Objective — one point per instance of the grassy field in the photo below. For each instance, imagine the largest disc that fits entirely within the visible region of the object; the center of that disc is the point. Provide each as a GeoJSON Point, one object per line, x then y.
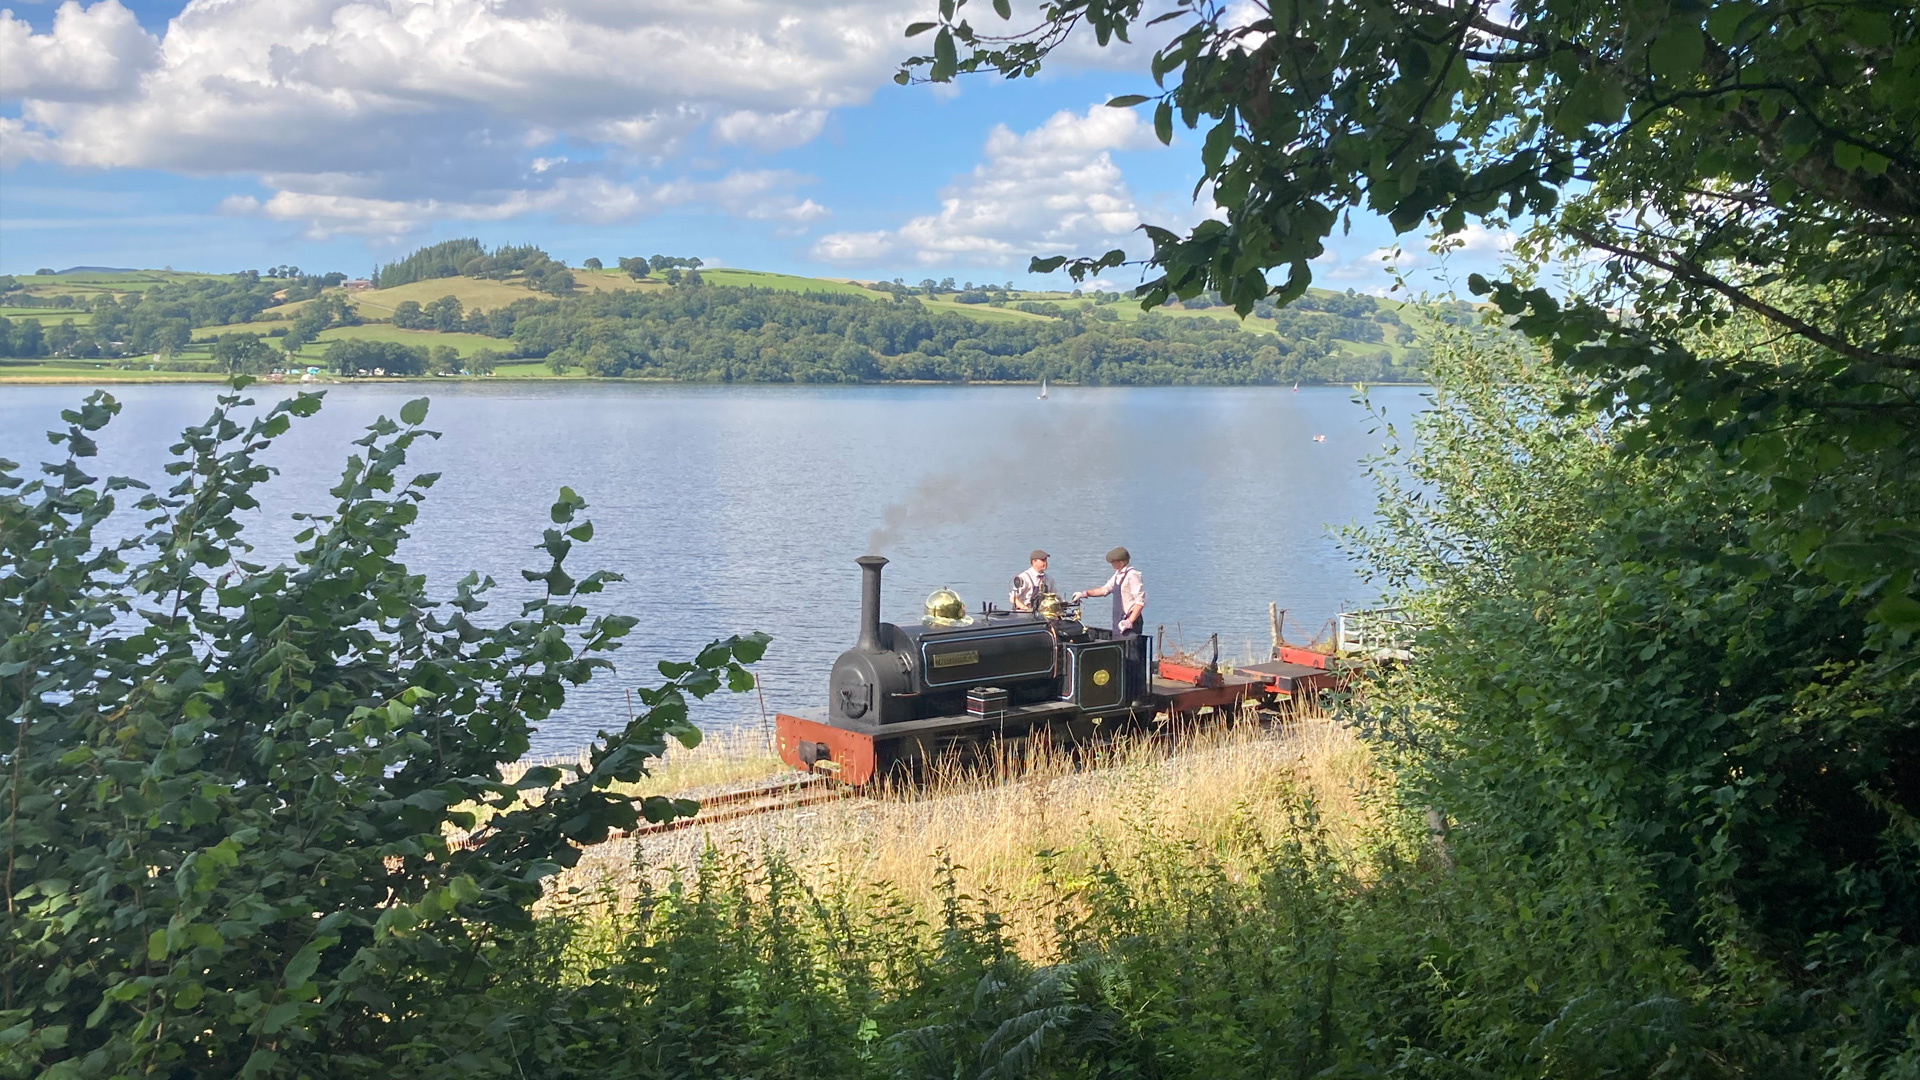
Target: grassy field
{"type": "Point", "coordinates": [464, 344]}
{"type": "Point", "coordinates": [91, 371]}
{"type": "Point", "coordinates": [284, 311]}
{"type": "Point", "coordinates": [262, 327]}
{"type": "Point", "coordinates": [527, 369]}
{"type": "Point", "coordinates": [981, 312]}
{"type": "Point", "coordinates": [612, 281]}
{"type": "Point", "coordinates": [760, 279]}
{"type": "Point", "coordinates": [471, 292]}
{"type": "Point", "coordinates": [94, 284]}
{"type": "Point", "coordinates": [47, 316]}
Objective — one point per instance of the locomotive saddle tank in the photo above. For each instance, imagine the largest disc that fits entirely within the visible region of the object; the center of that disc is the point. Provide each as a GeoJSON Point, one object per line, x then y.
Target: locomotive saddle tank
{"type": "Point", "coordinates": [895, 674]}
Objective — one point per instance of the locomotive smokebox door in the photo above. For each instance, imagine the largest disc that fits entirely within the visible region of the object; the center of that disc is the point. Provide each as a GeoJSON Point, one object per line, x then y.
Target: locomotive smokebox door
{"type": "Point", "coordinates": [1099, 675]}
{"type": "Point", "coordinates": [852, 694]}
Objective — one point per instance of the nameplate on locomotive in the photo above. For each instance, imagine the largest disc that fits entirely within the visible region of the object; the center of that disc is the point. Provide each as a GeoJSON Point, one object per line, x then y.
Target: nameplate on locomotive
{"type": "Point", "coordinates": [957, 658]}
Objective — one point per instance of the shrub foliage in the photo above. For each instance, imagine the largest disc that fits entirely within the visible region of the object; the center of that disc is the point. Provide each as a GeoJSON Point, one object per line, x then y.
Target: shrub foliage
{"type": "Point", "coordinates": [230, 787]}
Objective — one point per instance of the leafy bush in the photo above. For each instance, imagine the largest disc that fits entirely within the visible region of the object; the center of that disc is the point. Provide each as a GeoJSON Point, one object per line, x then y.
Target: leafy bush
{"type": "Point", "coordinates": [242, 354]}
{"type": "Point", "coordinates": [237, 794]}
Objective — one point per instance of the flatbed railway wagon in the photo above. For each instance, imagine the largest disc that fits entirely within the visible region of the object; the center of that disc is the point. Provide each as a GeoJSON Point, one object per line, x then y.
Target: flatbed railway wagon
{"type": "Point", "coordinates": [907, 696]}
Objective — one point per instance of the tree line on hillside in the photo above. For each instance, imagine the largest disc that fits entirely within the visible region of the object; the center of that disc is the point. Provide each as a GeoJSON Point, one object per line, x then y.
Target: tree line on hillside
{"type": "Point", "coordinates": [638, 268]}
{"type": "Point", "coordinates": [725, 334]}
{"type": "Point", "coordinates": [163, 317]}
{"type": "Point", "coordinates": [466, 257]}
{"type": "Point", "coordinates": [717, 333]}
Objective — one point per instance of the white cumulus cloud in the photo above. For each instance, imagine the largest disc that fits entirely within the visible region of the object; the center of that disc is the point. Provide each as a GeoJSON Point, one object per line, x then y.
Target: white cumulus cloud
{"type": "Point", "coordinates": [770, 131]}
{"type": "Point", "coordinates": [758, 195]}
{"type": "Point", "coordinates": [91, 54]}
{"type": "Point", "coordinates": [368, 113]}
{"type": "Point", "coordinates": [1054, 189]}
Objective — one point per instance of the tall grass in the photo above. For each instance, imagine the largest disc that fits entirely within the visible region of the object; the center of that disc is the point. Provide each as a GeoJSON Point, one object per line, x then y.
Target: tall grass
{"type": "Point", "coordinates": [1239, 903]}
{"type": "Point", "coordinates": [1232, 903]}
{"type": "Point", "coordinates": [1028, 828]}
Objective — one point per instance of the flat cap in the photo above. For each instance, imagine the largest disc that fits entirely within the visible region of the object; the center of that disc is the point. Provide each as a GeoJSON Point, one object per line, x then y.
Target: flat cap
{"type": "Point", "coordinates": [1119, 554]}
{"type": "Point", "coordinates": [1036, 553]}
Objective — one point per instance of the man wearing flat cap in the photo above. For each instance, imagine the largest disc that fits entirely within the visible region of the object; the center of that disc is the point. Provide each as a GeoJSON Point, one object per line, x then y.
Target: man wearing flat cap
{"type": "Point", "coordinates": [1031, 584]}
{"type": "Point", "coordinates": [1128, 592]}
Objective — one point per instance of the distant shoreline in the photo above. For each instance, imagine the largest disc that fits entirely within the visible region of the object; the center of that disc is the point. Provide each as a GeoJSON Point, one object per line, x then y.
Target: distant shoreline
{"type": "Point", "coordinates": [166, 377]}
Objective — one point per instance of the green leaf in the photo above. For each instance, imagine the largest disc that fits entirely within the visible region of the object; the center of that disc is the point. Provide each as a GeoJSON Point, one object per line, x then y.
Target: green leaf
{"type": "Point", "coordinates": [1725, 20]}
{"type": "Point", "coordinates": [1898, 612]}
{"type": "Point", "coordinates": [1003, 8]}
{"type": "Point", "coordinates": [413, 412]}
{"type": "Point", "coordinates": [751, 648]}
{"type": "Point", "coordinates": [1213, 153]}
{"type": "Point", "coordinates": [944, 58]}
{"type": "Point", "coordinates": [916, 29]}
{"type": "Point", "coordinates": [301, 968]}
{"type": "Point", "coordinates": [157, 945]}
{"type": "Point", "coordinates": [1163, 123]}
{"type": "Point", "coordinates": [1127, 101]}
{"type": "Point", "coordinates": [463, 889]}
{"type": "Point", "coordinates": [1678, 52]}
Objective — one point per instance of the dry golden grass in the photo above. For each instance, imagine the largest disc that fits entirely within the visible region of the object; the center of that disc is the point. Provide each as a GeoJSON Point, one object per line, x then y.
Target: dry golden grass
{"type": "Point", "coordinates": [720, 762]}
{"type": "Point", "coordinates": [730, 759]}
{"type": "Point", "coordinates": [1029, 833]}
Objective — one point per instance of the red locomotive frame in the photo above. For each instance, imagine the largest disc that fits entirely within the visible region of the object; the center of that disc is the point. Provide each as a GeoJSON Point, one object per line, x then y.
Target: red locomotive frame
{"type": "Point", "coordinates": [858, 756]}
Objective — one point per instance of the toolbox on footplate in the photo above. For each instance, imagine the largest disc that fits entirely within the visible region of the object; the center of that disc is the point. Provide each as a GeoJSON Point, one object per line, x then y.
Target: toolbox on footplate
{"type": "Point", "coordinates": [987, 702]}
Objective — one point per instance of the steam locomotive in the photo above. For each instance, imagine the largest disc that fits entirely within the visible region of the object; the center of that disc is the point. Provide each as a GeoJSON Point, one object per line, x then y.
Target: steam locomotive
{"type": "Point", "coordinates": [904, 696]}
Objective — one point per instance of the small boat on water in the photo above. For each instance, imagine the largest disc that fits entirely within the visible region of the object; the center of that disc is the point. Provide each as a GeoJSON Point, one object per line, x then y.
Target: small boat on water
{"type": "Point", "coordinates": [1319, 438]}
{"type": "Point", "coordinates": [1043, 388]}
{"type": "Point", "coordinates": [1296, 388]}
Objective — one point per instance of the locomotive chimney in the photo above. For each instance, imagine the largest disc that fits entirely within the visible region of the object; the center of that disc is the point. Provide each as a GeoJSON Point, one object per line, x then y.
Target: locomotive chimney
{"type": "Point", "coordinates": [870, 603]}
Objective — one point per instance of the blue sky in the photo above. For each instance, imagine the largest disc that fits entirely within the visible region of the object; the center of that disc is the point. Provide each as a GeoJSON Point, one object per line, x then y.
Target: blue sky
{"type": "Point", "coordinates": [335, 134]}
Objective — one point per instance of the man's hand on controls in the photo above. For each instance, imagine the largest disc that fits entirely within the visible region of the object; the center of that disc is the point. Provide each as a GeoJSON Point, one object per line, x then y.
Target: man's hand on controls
{"type": "Point", "coordinates": [1079, 596]}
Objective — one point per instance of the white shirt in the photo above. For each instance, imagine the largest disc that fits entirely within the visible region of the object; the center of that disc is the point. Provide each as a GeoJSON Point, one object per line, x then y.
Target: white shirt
{"type": "Point", "coordinates": [1127, 591]}
{"type": "Point", "coordinates": [1029, 586]}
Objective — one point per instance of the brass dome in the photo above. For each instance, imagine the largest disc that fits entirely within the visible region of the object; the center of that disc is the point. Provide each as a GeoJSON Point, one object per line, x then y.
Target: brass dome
{"type": "Point", "coordinates": [945, 608]}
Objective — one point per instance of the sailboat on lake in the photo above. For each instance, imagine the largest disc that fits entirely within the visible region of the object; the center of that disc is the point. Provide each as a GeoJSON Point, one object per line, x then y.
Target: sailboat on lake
{"type": "Point", "coordinates": [1043, 388]}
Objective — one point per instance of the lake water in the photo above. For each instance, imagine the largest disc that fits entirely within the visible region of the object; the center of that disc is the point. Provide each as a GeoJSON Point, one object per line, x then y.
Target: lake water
{"type": "Point", "coordinates": [742, 508]}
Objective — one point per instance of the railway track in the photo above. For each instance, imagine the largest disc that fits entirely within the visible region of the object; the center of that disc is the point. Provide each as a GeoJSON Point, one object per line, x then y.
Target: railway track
{"type": "Point", "coordinates": [786, 793]}
{"type": "Point", "coordinates": [782, 794]}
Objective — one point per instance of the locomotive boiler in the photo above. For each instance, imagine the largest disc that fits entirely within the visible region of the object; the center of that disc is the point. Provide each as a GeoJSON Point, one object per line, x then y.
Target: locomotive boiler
{"type": "Point", "coordinates": [906, 695]}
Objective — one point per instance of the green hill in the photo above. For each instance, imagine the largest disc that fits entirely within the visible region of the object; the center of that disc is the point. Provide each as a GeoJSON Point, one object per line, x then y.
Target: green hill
{"type": "Point", "coordinates": [168, 322]}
